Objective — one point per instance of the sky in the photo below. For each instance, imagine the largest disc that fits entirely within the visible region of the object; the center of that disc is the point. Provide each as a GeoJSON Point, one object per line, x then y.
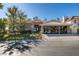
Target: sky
{"type": "Point", "coordinates": [44, 10]}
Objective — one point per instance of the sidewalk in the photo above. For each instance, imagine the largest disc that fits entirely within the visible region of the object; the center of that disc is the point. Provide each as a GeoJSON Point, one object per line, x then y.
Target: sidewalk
{"type": "Point", "coordinates": [60, 37]}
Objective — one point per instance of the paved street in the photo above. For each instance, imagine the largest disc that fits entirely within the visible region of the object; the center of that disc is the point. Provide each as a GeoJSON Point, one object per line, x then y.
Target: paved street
{"type": "Point", "coordinates": [57, 48]}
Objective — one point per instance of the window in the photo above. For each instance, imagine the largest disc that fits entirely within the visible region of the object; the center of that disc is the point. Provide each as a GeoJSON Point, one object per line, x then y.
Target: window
{"type": "Point", "coordinates": [74, 21]}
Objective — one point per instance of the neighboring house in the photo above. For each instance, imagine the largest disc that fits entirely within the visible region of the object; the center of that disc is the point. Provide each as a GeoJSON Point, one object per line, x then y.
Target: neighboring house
{"type": "Point", "coordinates": [75, 24]}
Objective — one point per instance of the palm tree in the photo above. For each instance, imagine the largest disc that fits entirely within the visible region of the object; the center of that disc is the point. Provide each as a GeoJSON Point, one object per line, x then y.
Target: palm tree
{"type": "Point", "coordinates": [36, 18]}
{"type": "Point", "coordinates": [22, 19]}
{"type": "Point", "coordinates": [12, 16]}
{"type": "Point", "coordinates": [2, 28]}
{"type": "Point", "coordinates": [1, 21]}
{"type": "Point", "coordinates": [1, 6]}
{"type": "Point", "coordinates": [2, 25]}
{"type": "Point", "coordinates": [22, 15]}
{"type": "Point", "coordinates": [17, 18]}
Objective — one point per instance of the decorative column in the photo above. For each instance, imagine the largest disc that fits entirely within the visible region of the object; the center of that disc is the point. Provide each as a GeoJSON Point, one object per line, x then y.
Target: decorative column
{"type": "Point", "coordinates": [59, 29]}
{"type": "Point", "coordinates": [41, 29]}
{"type": "Point", "coordinates": [68, 30]}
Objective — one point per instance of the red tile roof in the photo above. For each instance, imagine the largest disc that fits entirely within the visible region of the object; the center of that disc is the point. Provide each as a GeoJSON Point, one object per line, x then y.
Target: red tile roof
{"type": "Point", "coordinates": [36, 22]}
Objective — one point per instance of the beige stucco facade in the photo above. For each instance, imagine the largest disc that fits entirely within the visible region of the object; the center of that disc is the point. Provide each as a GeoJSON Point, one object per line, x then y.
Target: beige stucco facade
{"type": "Point", "coordinates": [70, 25]}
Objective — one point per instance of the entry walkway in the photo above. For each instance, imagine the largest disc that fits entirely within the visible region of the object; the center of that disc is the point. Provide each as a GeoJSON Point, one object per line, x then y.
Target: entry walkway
{"type": "Point", "coordinates": [50, 35]}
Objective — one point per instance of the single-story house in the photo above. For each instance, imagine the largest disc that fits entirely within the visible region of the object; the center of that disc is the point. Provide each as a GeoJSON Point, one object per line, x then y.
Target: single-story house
{"type": "Point", "coordinates": [69, 25]}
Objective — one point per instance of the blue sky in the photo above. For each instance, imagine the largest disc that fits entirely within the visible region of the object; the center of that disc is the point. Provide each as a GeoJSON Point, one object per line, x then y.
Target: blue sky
{"type": "Point", "coordinates": [45, 10]}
